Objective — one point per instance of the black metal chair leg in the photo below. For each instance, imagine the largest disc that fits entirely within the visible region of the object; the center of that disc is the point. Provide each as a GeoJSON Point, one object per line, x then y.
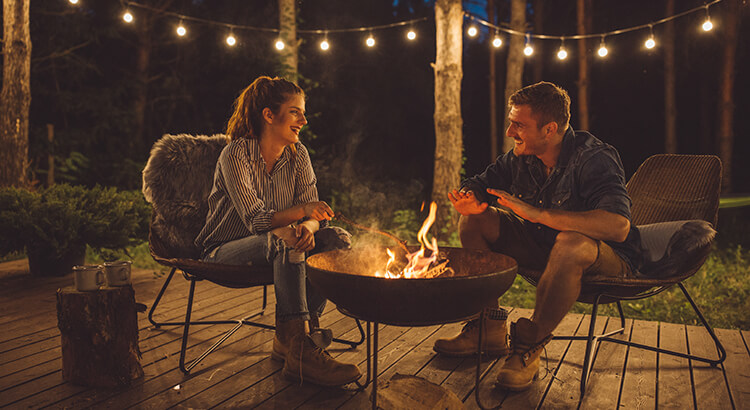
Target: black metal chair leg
{"type": "Point", "coordinates": [158, 299]}
{"type": "Point", "coordinates": [265, 297]}
{"type": "Point", "coordinates": [590, 346]}
{"type": "Point", "coordinates": [719, 347]}
{"type": "Point", "coordinates": [622, 315]}
{"type": "Point", "coordinates": [352, 344]}
{"type": "Point", "coordinates": [186, 327]}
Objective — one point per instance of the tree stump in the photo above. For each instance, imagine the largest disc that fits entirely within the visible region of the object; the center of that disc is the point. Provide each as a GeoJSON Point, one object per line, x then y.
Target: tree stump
{"type": "Point", "coordinates": [99, 332]}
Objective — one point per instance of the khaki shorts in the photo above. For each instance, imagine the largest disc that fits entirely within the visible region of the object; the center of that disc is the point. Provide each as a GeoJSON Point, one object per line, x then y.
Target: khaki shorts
{"type": "Point", "coordinates": [516, 241]}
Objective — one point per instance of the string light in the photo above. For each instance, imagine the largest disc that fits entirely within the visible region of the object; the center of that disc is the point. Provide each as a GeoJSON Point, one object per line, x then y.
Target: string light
{"type": "Point", "coordinates": [497, 41]}
{"type": "Point", "coordinates": [472, 31]}
{"type": "Point", "coordinates": [370, 41]}
{"type": "Point", "coordinates": [650, 43]}
{"type": "Point", "coordinates": [231, 41]}
{"type": "Point", "coordinates": [181, 31]}
{"type": "Point", "coordinates": [324, 45]}
{"type": "Point", "coordinates": [128, 17]}
{"type": "Point", "coordinates": [528, 50]}
{"type": "Point", "coordinates": [707, 25]}
{"type": "Point", "coordinates": [602, 49]}
{"type": "Point", "coordinates": [562, 53]}
{"type": "Point", "coordinates": [411, 35]}
{"type": "Point", "coordinates": [73, 1]}
{"type": "Point", "coordinates": [279, 45]}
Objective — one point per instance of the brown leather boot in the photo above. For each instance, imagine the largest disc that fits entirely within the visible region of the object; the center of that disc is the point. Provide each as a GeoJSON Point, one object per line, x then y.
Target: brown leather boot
{"type": "Point", "coordinates": [285, 331]}
{"type": "Point", "coordinates": [522, 366]}
{"type": "Point", "coordinates": [495, 338]}
{"type": "Point", "coordinates": [305, 361]}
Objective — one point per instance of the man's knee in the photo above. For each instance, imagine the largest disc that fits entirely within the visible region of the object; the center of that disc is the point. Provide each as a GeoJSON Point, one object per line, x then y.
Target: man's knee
{"type": "Point", "coordinates": [576, 247]}
{"type": "Point", "coordinates": [475, 226]}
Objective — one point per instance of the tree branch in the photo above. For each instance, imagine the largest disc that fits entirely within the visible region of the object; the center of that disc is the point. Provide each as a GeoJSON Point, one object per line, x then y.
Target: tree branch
{"type": "Point", "coordinates": [63, 53]}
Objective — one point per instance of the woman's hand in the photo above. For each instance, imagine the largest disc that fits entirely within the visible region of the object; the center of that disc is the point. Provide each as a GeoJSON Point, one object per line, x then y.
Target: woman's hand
{"type": "Point", "coordinates": [305, 238]}
{"type": "Point", "coordinates": [318, 210]}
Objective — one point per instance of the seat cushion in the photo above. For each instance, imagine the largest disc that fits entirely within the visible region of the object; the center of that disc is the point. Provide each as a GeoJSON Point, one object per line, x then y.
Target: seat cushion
{"type": "Point", "coordinates": [671, 248]}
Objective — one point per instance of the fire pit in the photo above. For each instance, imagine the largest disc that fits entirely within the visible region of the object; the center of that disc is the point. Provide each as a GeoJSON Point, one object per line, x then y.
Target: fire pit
{"type": "Point", "coordinates": [346, 277]}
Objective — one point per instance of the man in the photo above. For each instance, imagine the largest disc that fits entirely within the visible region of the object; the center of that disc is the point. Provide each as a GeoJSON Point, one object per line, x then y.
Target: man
{"type": "Point", "coordinates": [562, 209]}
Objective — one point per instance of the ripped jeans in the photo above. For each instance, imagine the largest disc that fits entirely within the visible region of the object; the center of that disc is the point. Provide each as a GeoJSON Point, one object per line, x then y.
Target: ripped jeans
{"type": "Point", "coordinates": [294, 298]}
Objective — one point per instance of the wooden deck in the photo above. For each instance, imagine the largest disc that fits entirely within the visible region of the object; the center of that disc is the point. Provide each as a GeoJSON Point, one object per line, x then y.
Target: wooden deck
{"type": "Point", "coordinates": [241, 374]}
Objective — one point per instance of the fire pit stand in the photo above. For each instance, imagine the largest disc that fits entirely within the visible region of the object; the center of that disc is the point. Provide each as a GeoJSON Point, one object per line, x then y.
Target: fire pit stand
{"type": "Point", "coordinates": [344, 277]}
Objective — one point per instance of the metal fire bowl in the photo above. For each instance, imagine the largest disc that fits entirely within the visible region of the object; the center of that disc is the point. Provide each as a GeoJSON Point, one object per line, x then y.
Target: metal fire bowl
{"type": "Point", "coordinates": [346, 278]}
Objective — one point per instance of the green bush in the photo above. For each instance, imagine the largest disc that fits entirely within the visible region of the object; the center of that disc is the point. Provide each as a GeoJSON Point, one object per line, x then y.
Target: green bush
{"type": "Point", "coordinates": [65, 217]}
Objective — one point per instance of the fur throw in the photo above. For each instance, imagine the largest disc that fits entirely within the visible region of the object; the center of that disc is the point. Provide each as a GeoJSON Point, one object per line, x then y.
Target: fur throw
{"type": "Point", "coordinates": [177, 181]}
{"type": "Point", "coordinates": [673, 248]}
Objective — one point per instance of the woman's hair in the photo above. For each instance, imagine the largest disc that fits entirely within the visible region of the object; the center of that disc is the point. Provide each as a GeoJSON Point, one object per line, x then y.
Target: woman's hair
{"type": "Point", "coordinates": [264, 92]}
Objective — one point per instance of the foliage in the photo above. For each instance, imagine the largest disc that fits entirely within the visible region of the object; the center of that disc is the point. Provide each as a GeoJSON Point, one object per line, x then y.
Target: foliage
{"type": "Point", "coordinates": [63, 217]}
{"type": "Point", "coordinates": [721, 288]}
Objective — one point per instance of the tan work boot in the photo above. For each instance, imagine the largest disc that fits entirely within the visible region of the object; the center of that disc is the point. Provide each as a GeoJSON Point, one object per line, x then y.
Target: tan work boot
{"type": "Point", "coordinates": [495, 338]}
{"type": "Point", "coordinates": [285, 331]}
{"type": "Point", "coordinates": [305, 361]}
{"type": "Point", "coordinates": [522, 366]}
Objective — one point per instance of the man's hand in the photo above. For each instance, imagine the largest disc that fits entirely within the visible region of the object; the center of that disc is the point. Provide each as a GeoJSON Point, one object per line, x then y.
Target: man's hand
{"type": "Point", "coordinates": [520, 208]}
{"type": "Point", "coordinates": [466, 203]}
{"type": "Point", "coordinates": [318, 210]}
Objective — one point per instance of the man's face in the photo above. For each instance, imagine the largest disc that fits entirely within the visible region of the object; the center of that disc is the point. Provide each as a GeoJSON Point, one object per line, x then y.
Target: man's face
{"type": "Point", "coordinates": [528, 138]}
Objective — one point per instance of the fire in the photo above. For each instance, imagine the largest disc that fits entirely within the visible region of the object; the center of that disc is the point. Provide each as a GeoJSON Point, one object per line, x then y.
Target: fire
{"type": "Point", "coordinates": [418, 265]}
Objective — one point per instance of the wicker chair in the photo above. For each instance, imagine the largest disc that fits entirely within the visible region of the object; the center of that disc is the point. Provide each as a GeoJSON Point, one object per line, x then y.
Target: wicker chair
{"type": "Point", "coordinates": [177, 181]}
{"type": "Point", "coordinates": [664, 188]}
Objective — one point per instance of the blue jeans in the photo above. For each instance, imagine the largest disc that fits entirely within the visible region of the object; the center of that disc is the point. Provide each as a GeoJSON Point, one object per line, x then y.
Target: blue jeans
{"type": "Point", "coordinates": [294, 299]}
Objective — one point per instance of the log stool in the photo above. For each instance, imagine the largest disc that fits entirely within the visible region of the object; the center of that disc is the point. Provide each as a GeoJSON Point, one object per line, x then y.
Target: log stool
{"type": "Point", "coordinates": [99, 332]}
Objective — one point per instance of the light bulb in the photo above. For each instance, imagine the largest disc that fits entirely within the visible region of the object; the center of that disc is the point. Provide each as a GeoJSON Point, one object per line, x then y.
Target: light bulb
{"type": "Point", "coordinates": [231, 41]}
{"type": "Point", "coordinates": [411, 35]}
{"type": "Point", "coordinates": [73, 1]}
{"type": "Point", "coordinates": [562, 54]}
{"type": "Point", "coordinates": [324, 45]}
{"type": "Point", "coordinates": [528, 50]}
{"type": "Point", "coordinates": [181, 31]}
{"type": "Point", "coordinates": [127, 17]}
{"type": "Point", "coordinates": [472, 32]}
{"type": "Point", "coordinates": [650, 43]}
{"type": "Point", "coordinates": [279, 45]}
{"type": "Point", "coordinates": [707, 25]}
{"type": "Point", "coordinates": [370, 41]}
{"type": "Point", "coordinates": [497, 42]}
{"type": "Point", "coordinates": [603, 51]}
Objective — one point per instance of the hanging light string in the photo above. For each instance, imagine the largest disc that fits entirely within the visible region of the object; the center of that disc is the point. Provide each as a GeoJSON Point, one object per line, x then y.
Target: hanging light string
{"type": "Point", "coordinates": [183, 17]}
{"type": "Point", "coordinates": [592, 35]}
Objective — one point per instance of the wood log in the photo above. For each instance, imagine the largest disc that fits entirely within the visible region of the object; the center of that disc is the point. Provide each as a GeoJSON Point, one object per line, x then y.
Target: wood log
{"type": "Point", "coordinates": [99, 332]}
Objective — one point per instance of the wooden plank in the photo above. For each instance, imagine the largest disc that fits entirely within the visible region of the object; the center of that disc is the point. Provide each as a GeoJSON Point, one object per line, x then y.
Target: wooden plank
{"type": "Point", "coordinates": [736, 366]}
{"type": "Point", "coordinates": [710, 387]}
{"type": "Point", "coordinates": [673, 378]}
{"type": "Point", "coordinates": [564, 389]}
{"type": "Point", "coordinates": [556, 352]}
{"type": "Point", "coordinates": [237, 371]}
{"type": "Point", "coordinates": [639, 381]}
{"type": "Point", "coordinates": [166, 341]}
{"type": "Point", "coordinates": [30, 348]}
{"type": "Point", "coordinates": [605, 380]}
{"type": "Point", "coordinates": [410, 363]}
{"type": "Point", "coordinates": [20, 342]}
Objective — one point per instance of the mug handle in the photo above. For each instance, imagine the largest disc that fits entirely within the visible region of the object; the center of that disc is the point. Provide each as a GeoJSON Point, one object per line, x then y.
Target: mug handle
{"type": "Point", "coordinates": [100, 278]}
{"type": "Point", "coordinates": [123, 273]}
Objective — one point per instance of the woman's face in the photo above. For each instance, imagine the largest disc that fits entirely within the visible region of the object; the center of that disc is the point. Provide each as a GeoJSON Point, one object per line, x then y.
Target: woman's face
{"type": "Point", "coordinates": [285, 125]}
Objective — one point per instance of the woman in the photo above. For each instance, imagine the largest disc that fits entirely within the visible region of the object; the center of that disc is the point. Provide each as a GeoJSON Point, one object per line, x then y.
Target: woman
{"type": "Point", "coordinates": [264, 209]}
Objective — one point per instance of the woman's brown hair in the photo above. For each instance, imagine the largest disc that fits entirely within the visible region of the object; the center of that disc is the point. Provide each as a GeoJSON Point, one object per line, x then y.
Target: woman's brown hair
{"type": "Point", "coordinates": [264, 92]}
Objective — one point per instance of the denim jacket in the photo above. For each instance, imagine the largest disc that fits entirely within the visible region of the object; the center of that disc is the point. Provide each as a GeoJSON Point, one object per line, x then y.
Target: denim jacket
{"type": "Point", "coordinates": [588, 175]}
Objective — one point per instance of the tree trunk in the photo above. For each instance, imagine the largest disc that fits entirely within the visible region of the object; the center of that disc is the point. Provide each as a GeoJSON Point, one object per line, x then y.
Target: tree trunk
{"type": "Point", "coordinates": [583, 8]}
{"type": "Point", "coordinates": [670, 99]}
{"type": "Point", "coordinates": [140, 105]}
{"type": "Point", "coordinates": [538, 64]}
{"type": "Point", "coordinates": [492, 86]}
{"type": "Point", "coordinates": [15, 97]}
{"type": "Point", "coordinates": [288, 25]}
{"type": "Point", "coordinates": [726, 106]}
{"type": "Point", "coordinates": [448, 121]}
{"type": "Point", "coordinates": [514, 71]}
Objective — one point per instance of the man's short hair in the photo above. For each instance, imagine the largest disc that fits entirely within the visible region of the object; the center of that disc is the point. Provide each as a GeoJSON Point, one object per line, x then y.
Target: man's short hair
{"type": "Point", "coordinates": [548, 102]}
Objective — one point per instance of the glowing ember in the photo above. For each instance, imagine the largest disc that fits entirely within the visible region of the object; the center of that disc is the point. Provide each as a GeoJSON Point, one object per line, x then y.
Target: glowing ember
{"type": "Point", "coordinates": [417, 264]}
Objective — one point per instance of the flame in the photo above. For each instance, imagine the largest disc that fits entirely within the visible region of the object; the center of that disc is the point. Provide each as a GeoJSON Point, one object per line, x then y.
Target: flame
{"type": "Point", "coordinates": [417, 263]}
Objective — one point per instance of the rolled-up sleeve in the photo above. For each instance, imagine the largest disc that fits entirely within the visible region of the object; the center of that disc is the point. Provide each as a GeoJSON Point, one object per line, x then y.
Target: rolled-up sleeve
{"type": "Point", "coordinates": [602, 183]}
{"type": "Point", "coordinates": [238, 181]}
{"type": "Point", "coordinates": [305, 185]}
{"type": "Point", "coordinates": [497, 175]}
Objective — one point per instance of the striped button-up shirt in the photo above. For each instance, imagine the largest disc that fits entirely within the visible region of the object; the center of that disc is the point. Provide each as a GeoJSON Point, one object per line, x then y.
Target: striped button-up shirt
{"type": "Point", "coordinates": [245, 197]}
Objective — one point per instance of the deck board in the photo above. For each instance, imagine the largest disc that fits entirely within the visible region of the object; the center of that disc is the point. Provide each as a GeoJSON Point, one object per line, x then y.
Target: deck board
{"type": "Point", "coordinates": [241, 374]}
